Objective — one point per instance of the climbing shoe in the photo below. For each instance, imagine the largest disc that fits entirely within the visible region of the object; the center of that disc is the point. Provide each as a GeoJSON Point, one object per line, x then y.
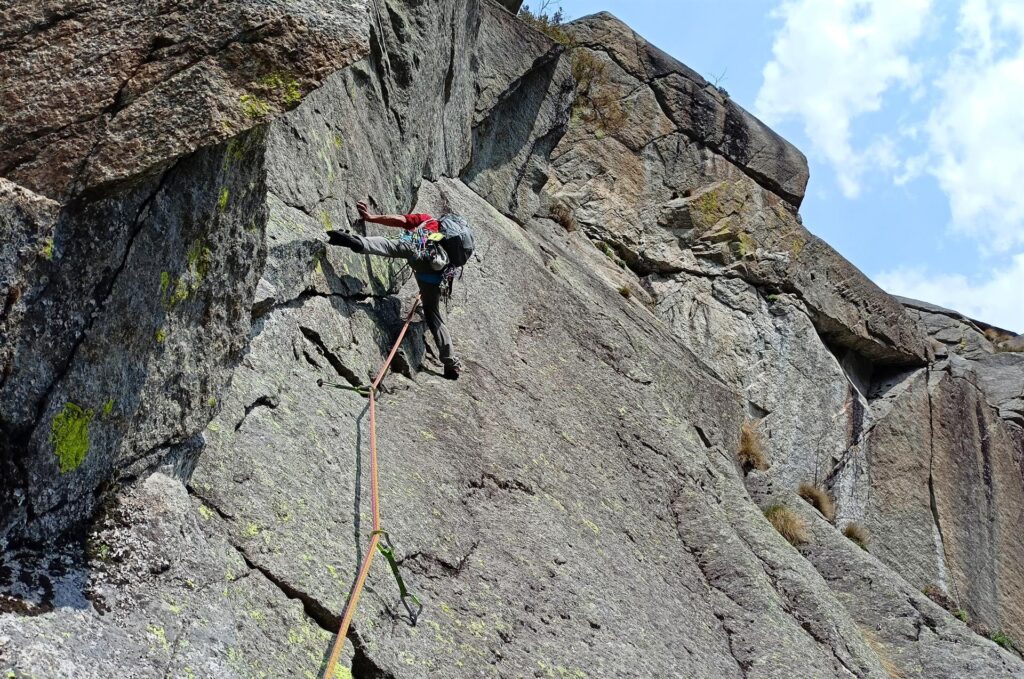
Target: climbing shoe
{"type": "Point", "coordinates": [345, 240]}
{"type": "Point", "coordinates": [452, 369]}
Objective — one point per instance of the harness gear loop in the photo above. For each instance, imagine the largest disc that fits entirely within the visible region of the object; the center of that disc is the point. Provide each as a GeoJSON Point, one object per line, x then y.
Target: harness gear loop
{"type": "Point", "coordinates": [374, 546]}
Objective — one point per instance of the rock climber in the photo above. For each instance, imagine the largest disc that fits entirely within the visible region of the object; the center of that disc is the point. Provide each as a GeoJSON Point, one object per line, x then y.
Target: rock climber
{"type": "Point", "coordinates": [427, 259]}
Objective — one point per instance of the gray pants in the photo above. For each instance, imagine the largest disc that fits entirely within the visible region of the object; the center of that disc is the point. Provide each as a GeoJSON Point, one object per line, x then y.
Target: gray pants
{"type": "Point", "coordinates": [430, 294]}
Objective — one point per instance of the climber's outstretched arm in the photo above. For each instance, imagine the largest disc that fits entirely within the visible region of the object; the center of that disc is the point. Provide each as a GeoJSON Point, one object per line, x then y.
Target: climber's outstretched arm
{"type": "Point", "coordinates": [398, 221]}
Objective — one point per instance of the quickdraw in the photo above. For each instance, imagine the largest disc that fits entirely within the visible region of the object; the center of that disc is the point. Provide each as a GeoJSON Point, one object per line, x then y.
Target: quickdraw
{"type": "Point", "coordinates": [403, 591]}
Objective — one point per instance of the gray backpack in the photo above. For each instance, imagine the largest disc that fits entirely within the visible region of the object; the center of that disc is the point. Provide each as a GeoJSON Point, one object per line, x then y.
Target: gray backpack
{"type": "Point", "coordinates": [458, 239]}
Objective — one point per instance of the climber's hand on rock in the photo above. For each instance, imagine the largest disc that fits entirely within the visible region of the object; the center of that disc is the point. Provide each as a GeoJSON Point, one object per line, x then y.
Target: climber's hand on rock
{"type": "Point", "coordinates": [364, 210]}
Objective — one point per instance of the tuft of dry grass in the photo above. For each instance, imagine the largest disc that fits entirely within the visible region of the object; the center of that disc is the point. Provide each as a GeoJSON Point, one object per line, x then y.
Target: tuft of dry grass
{"type": "Point", "coordinates": [996, 336]}
{"type": "Point", "coordinates": [857, 534]}
{"type": "Point", "coordinates": [1002, 341]}
{"type": "Point", "coordinates": [882, 653]}
{"type": "Point", "coordinates": [788, 523]}
{"type": "Point", "coordinates": [626, 291]}
{"type": "Point", "coordinates": [819, 499]}
{"type": "Point", "coordinates": [563, 214]}
{"type": "Point", "coordinates": [751, 453]}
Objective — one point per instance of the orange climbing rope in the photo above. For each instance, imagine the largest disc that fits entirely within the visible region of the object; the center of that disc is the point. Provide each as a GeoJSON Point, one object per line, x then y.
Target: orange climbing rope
{"type": "Point", "coordinates": [371, 550]}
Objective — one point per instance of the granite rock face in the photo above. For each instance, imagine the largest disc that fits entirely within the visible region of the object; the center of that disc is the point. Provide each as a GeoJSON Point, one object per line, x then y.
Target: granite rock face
{"type": "Point", "coordinates": [98, 92]}
{"type": "Point", "coordinates": [182, 498]}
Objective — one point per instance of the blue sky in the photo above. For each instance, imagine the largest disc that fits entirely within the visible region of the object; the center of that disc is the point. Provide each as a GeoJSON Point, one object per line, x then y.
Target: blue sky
{"type": "Point", "coordinates": [911, 114]}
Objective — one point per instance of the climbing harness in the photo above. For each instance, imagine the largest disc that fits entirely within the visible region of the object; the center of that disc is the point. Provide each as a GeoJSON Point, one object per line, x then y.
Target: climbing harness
{"type": "Point", "coordinates": [375, 536]}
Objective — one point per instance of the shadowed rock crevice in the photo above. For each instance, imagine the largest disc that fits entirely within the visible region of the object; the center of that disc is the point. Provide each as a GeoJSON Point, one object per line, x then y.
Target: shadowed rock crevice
{"type": "Point", "coordinates": [343, 371]}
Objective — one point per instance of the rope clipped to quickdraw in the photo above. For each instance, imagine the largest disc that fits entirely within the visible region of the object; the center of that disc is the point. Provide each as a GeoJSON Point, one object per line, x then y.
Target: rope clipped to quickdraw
{"type": "Point", "coordinates": [374, 546]}
{"type": "Point", "coordinates": [362, 391]}
{"type": "Point", "coordinates": [389, 553]}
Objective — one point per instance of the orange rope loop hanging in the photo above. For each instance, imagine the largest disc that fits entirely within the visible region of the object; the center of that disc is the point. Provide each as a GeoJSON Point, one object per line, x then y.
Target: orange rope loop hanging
{"type": "Point", "coordinates": [371, 550]}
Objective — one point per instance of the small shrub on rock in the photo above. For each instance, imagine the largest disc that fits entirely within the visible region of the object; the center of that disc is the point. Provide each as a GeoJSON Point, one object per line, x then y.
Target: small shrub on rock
{"type": "Point", "coordinates": [819, 499]}
{"type": "Point", "coordinates": [596, 101]}
{"type": "Point", "coordinates": [1004, 640]}
{"type": "Point", "coordinates": [626, 291]}
{"type": "Point", "coordinates": [788, 523]}
{"type": "Point", "coordinates": [548, 19]}
{"type": "Point", "coordinates": [751, 453]}
{"type": "Point", "coordinates": [857, 534]}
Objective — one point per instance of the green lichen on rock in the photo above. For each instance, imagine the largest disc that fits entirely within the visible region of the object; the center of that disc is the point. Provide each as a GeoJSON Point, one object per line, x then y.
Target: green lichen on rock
{"type": "Point", "coordinates": [108, 408]}
{"type": "Point", "coordinates": [325, 219]}
{"type": "Point", "coordinates": [46, 252]}
{"type": "Point", "coordinates": [745, 244]}
{"type": "Point", "coordinates": [254, 106]}
{"type": "Point", "coordinates": [160, 336]}
{"type": "Point", "coordinates": [176, 290]}
{"type": "Point", "coordinates": [283, 87]}
{"type": "Point", "coordinates": [222, 201]}
{"type": "Point", "coordinates": [161, 636]}
{"type": "Point", "coordinates": [69, 434]}
{"type": "Point", "coordinates": [709, 207]}
{"type": "Point", "coordinates": [199, 257]}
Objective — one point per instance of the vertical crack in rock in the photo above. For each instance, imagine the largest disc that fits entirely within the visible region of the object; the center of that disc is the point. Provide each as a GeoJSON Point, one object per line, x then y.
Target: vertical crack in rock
{"type": "Point", "coordinates": [940, 542]}
{"type": "Point", "coordinates": [20, 439]}
{"type": "Point", "coordinates": [104, 290]}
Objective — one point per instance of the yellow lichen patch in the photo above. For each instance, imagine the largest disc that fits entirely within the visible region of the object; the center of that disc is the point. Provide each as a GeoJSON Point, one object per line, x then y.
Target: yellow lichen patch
{"type": "Point", "coordinates": [222, 201]}
{"type": "Point", "coordinates": [325, 220]}
{"type": "Point", "coordinates": [253, 106]}
{"type": "Point", "coordinates": [709, 207]}
{"type": "Point", "coordinates": [160, 336]}
{"type": "Point", "coordinates": [108, 408]}
{"type": "Point", "coordinates": [251, 530]}
{"type": "Point", "coordinates": [69, 434]}
{"type": "Point", "coordinates": [161, 637]}
{"type": "Point", "coordinates": [46, 251]}
{"type": "Point", "coordinates": [199, 257]}
{"type": "Point", "coordinates": [205, 512]}
{"type": "Point", "coordinates": [283, 87]}
{"type": "Point", "coordinates": [745, 244]}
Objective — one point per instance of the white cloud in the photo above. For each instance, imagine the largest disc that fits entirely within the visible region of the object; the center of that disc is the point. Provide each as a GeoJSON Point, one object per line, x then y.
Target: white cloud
{"type": "Point", "coordinates": [832, 62]}
{"type": "Point", "coordinates": [976, 132]}
{"type": "Point", "coordinates": [995, 299]}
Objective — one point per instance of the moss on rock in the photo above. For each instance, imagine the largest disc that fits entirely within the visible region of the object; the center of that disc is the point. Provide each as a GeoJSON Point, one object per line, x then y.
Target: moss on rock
{"type": "Point", "coordinates": [69, 434]}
